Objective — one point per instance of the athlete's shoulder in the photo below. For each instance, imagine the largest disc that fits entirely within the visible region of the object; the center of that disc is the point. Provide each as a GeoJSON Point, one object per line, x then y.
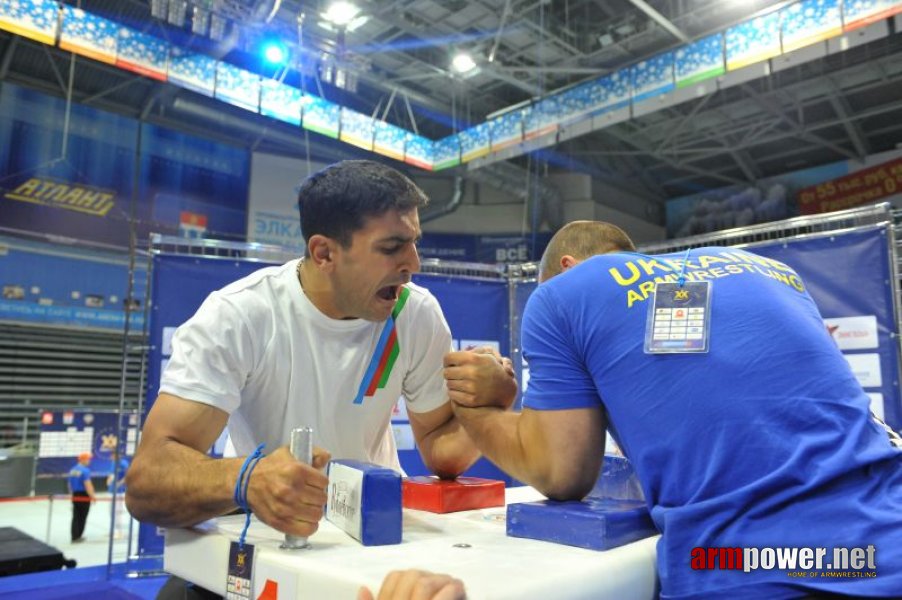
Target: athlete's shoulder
{"type": "Point", "coordinates": [267, 277]}
{"type": "Point", "coordinates": [419, 297]}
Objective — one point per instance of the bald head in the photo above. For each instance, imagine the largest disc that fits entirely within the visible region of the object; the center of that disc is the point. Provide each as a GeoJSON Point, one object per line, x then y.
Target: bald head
{"type": "Point", "coordinates": [579, 240]}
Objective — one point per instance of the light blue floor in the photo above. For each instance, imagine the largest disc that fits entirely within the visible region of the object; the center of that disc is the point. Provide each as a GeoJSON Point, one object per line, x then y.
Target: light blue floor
{"type": "Point", "coordinates": [49, 521]}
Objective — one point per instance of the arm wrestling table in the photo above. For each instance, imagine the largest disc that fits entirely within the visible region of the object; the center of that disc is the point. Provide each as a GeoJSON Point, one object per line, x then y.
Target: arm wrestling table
{"type": "Point", "coordinates": [471, 546]}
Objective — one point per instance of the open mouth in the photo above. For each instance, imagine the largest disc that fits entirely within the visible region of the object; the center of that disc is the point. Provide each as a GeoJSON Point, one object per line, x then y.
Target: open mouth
{"type": "Point", "coordinates": [389, 292]}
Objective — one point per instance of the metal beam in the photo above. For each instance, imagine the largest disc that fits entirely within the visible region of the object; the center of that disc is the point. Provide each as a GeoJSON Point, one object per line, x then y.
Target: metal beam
{"type": "Point", "coordinates": [634, 140]}
{"type": "Point", "coordinates": [746, 164]}
{"type": "Point", "coordinates": [110, 90]}
{"type": "Point", "coordinates": [55, 69]}
{"type": "Point", "coordinates": [565, 70]}
{"type": "Point", "coordinates": [730, 127]}
{"type": "Point", "coordinates": [842, 110]}
{"type": "Point", "coordinates": [661, 20]}
{"type": "Point", "coordinates": [8, 56]}
{"type": "Point", "coordinates": [504, 15]}
{"type": "Point", "coordinates": [683, 121]}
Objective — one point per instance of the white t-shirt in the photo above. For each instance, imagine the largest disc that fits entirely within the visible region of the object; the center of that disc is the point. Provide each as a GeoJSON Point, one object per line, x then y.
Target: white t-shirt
{"type": "Point", "coordinates": [261, 351]}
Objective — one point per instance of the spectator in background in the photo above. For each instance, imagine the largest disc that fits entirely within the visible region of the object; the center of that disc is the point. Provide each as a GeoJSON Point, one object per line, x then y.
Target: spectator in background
{"type": "Point", "coordinates": [115, 483]}
{"type": "Point", "coordinates": [82, 490]}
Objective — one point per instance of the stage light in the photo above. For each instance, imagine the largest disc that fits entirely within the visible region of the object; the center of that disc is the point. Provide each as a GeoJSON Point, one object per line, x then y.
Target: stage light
{"type": "Point", "coordinates": [275, 52]}
{"type": "Point", "coordinates": [341, 13]}
{"type": "Point", "coordinates": [463, 63]}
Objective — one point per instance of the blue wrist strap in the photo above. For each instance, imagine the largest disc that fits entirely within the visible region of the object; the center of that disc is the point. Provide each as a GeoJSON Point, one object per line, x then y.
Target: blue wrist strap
{"type": "Point", "coordinates": [241, 486]}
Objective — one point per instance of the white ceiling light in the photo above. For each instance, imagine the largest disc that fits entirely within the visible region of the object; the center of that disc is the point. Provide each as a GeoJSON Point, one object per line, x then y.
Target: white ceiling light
{"type": "Point", "coordinates": [463, 62]}
{"type": "Point", "coordinates": [341, 13]}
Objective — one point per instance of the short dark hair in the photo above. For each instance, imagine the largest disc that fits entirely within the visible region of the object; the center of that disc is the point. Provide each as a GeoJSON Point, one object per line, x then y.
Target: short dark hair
{"type": "Point", "coordinates": [336, 201]}
{"type": "Point", "coordinates": [581, 240]}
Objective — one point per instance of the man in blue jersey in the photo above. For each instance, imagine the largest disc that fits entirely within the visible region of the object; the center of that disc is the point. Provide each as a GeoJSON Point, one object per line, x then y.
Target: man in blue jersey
{"type": "Point", "coordinates": [713, 371]}
{"type": "Point", "coordinates": [115, 483]}
{"type": "Point", "coordinates": [82, 490]}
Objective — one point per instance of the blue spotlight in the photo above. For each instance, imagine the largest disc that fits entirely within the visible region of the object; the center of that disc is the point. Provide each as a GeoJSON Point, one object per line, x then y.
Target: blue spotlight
{"type": "Point", "coordinates": [275, 52]}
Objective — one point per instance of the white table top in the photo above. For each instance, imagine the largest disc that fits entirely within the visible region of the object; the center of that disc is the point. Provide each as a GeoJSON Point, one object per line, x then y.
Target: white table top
{"type": "Point", "coordinates": [471, 546]}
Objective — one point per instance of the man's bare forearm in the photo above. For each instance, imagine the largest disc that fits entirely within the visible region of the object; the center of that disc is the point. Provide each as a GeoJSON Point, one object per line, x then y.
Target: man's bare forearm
{"type": "Point", "coordinates": [557, 452]}
{"type": "Point", "coordinates": [495, 432]}
{"type": "Point", "coordinates": [172, 485]}
{"type": "Point", "coordinates": [448, 451]}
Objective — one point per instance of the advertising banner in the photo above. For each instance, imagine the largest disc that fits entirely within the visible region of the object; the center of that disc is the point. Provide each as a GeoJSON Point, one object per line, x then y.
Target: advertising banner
{"type": "Point", "coordinates": [826, 188]}
{"type": "Point", "coordinates": [356, 129]}
{"type": "Point", "coordinates": [35, 20]}
{"type": "Point", "coordinates": [418, 151]}
{"type": "Point", "coordinates": [84, 194]}
{"type": "Point", "coordinates": [280, 101]}
{"type": "Point", "coordinates": [142, 54]}
{"type": "Point", "coordinates": [866, 186]}
{"type": "Point", "coordinates": [273, 203]}
{"type": "Point", "coordinates": [809, 21]}
{"type": "Point", "coordinates": [699, 60]}
{"type": "Point", "coordinates": [237, 87]}
{"type": "Point", "coordinates": [446, 152]}
{"type": "Point", "coordinates": [506, 130]}
{"type": "Point", "coordinates": [192, 71]}
{"type": "Point", "coordinates": [321, 116]}
{"type": "Point", "coordinates": [474, 142]}
{"type": "Point", "coordinates": [753, 41]}
{"type": "Point", "coordinates": [858, 13]}
{"type": "Point", "coordinates": [652, 77]}
{"type": "Point", "coordinates": [389, 140]}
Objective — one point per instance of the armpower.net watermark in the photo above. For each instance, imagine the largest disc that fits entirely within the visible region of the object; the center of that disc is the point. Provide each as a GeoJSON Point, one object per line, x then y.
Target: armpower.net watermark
{"type": "Point", "coordinates": [848, 563]}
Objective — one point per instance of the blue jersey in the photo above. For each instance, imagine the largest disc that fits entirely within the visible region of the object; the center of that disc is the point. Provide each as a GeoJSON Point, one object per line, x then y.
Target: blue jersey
{"type": "Point", "coordinates": [123, 467]}
{"type": "Point", "coordinates": [78, 475]}
{"type": "Point", "coordinates": [765, 441]}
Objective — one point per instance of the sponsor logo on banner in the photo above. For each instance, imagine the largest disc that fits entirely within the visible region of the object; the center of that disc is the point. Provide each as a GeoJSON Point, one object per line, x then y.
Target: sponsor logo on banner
{"type": "Point", "coordinates": [192, 225]}
{"type": "Point", "coordinates": [66, 195]}
{"type": "Point", "coordinates": [853, 333]}
{"type": "Point", "coordinates": [866, 368]}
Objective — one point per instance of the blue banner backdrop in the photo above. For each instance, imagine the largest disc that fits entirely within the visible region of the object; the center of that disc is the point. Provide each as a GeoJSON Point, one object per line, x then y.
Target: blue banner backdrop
{"type": "Point", "coordinates": [849, 275]}
{"type": "Point", "coordinates": [53, 285]}
{"type": "Point", "coordinates": [497, 248]}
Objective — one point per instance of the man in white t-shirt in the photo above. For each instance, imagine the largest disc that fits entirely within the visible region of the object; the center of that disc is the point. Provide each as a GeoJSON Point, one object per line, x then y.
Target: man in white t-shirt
{"type": "Point", "coordinates": [330, 341]}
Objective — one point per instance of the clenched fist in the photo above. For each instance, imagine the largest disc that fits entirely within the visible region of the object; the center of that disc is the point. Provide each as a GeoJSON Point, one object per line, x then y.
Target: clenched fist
{"type": "Point", "coordinates": [289, 495]}
{"type": "Point", "coordinates": [480, 377]}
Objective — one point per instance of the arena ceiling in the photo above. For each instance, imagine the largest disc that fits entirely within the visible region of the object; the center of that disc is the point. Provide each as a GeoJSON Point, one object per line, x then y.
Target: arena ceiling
{"type": "Point", "coordinates": [396, 62]}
